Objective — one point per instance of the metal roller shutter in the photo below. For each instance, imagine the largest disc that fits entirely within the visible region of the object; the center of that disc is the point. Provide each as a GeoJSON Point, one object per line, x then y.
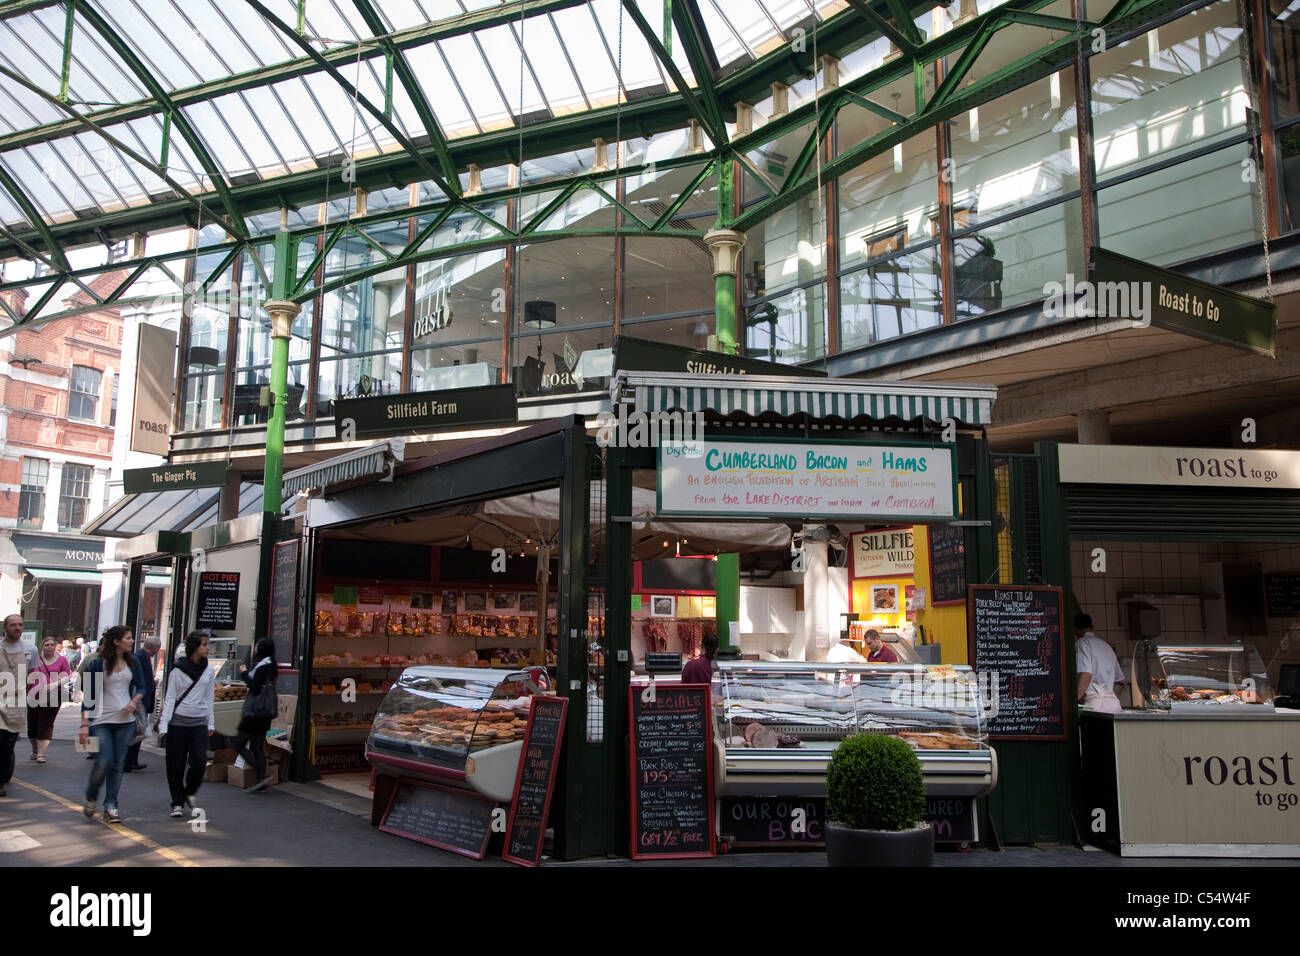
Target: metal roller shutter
{"type": "Point", "coordinates": [1143, 513]}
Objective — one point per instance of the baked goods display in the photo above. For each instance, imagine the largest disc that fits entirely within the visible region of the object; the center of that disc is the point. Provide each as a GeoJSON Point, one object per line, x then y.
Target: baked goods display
{"type": "Point", "coordinates": [455, 728]}
{"type": "Point", "coordinates": [231, 692]}
{"type": "Point", "coordinates": [938, 740]}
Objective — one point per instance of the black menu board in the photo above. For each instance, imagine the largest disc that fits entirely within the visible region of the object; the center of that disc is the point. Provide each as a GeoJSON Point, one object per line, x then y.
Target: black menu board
{"type": "Point", "coordinates": [284, 599]}
{"type": "Point", "coordinates": [672, 772]}
{"type": "Point", "coordinates": [536, 778]}
{"type": "Point", "coordinates": [947, 564]}
{"type": "Point", "coordinates": [1283, 592]}
{"type": "Point", "coordinates": [218, 601]}
{"type": "Point", "coordinates": [1016, 633]}
{"type": "Point", "coordinates": [451, 820]}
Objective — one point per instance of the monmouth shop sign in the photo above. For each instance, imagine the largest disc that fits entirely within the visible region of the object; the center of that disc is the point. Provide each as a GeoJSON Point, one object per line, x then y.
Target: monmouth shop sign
{"type": "Point", "coordinates": [773, 478]}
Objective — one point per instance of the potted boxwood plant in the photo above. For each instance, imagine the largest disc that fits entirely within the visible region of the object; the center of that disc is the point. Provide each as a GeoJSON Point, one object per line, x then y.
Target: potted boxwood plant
{"type": "Point", "coordinates": [875, 801]}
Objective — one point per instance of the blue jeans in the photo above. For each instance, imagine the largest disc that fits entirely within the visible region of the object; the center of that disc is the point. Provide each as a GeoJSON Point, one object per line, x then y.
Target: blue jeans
{"type": "Point", "coordinates": [114, 740]}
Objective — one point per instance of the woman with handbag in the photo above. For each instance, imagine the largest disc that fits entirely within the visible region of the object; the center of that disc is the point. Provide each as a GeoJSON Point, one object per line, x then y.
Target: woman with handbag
{"type": "Point", "coordinates": [187, 721]}
{"type": "Point", "coordinates": [112, 692]}
{"type": "Point", "coordinates": [46, 684]}
{"type": "Point", "coordinates": [259, 710]}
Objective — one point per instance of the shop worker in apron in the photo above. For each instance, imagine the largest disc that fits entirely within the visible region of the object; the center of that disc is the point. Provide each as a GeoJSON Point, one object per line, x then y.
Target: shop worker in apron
{"type": "Point", "coordinates": [1098, 668]}
{"type": "Point", "coordinates": [880, 653]}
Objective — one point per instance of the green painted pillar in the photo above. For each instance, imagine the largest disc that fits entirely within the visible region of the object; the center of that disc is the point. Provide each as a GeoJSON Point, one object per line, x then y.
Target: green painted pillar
{"type": "Point", "coordinates": [728, 595]}
{"type": "Point", "coordinates": [725, 245]}
{"type": "Point", "coordinates": [282, 313]}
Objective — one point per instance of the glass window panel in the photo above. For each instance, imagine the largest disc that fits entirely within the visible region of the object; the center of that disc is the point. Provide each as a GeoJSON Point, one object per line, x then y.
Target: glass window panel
{"type": "Point", "coordinates": [790, 328]}
{"type": "Point", "coordinates": [546, 53]}
{"type": "Point", "coordinates": [1171, 90]}
{"type": "Point", "coordinates": [23, 109]}
{"type": "Point", "coordinates": [74, 495]}
{"type": "Point", "coordinates": [248, 408]}
{"type": "Point", "coordinates": [560, 362]}
{"type": "Point", "coordinates": [456, 364]}
{"type": "Point", "coordinates": [1284, 35]}
{"type": "Point", "coordinates": [157, 36]}
{"type": "Point", "coordinates": [725, 44]}
{"type": "Point", "coordinates": [891, 298]}
{"type": "Point", "coordinates": [690, 331]}
{"type": "Point", "coordinates": [649, 194]}
{"type": "Point", "coordinates": [204, 396]}
{"type": "Point", "coordinates": [83, 393]}
{"type": "Point", "coordinates": [587, 50]}
{"type": "Point", "coordinates": [890, 201]}
{"type": "Point", "coordinates": [786, 249]}
{"type": "Point", "coordinates": [575, 274]}
{"type": "Point", "coordinates": [478, 84]}
{"type": "Point", "coordinates": [775, 160]}
{"type": "Point", "coordinates": [1288, 148]}
{"type": "Point", "coordinates": [365, 316]}
{"type": "Point", "coordinates": [459, 298]}
{"type": "Point", "coordinates": [1181, 212]}
{"type": "Point", "coordinates": [356, 377]}
{"type": "Point", "coordinates": [502, 55]}
{"type": "Point", "coordinates": [1017, 150]}
{"type": "Point", "coordinates": [448, 106]}
{"type": "Point", "coordinates": [666, 277]}
{"type": "Point", "coordinates": [31, 498]}
{"type": "Point", "coordinates": [40, 175]}
{"type": "Point", "coordinates": [1010, 263]}
{"type": "Point", "coordinates": [639, 65]}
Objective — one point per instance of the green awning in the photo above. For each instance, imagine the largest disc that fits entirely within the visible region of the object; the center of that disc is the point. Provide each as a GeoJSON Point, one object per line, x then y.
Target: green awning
{"type": "Point", "coordinates": [845, 399]}
{"type": "Point", "coordinates": [65, 576]}
{"type": "Point", "coordinates": [377, 459]}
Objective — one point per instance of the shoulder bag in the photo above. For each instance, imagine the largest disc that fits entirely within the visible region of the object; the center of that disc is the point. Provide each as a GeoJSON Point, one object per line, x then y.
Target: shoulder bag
{"type": "Point", "coordinates": [265, 703]}
{"type": "Point", "coordinates": [162, 738]}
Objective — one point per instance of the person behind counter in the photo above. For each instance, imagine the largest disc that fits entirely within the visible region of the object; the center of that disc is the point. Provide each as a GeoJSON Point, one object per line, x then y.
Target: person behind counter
{"type": "Point", "coordinates": [700, 670]}
{"type": "Point", "coordinates": [878, 652]}
{"type": "Point", "coordinates": [1098, 668]}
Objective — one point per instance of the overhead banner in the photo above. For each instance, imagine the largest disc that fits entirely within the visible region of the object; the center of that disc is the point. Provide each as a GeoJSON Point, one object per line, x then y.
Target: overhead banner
{"type": "Point", "coordinates": [1131, 289]}
{"type": "Point", "coordinates": [155, 387]}
{"type": "Point", "coordinates": [440, 410]}
{"type": "Point", "coordinates": [59, 551]}
{"type": "Point", "coordinates": [1190, 467]}
{"type": "Point", "coordinates": [751, 478]}
{"type": "Point", "coordinates": [200, 474]}
{"type": "Point", "coordinates": [883, 554]}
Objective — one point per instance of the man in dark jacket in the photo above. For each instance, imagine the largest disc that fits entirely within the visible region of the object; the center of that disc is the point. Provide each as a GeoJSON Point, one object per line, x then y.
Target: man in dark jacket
{"type": "Point", "coordinates": [145, 656]}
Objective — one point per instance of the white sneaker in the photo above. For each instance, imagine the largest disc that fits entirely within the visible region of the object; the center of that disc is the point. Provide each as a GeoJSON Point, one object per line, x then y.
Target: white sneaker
{"type": "Point", "coordinates": [177, 812]}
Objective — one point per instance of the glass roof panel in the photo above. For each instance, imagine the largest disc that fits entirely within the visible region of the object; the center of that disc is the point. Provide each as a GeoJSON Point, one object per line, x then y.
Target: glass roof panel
{"type": "Point", "coordinates": [639, 64]}
{"type": "Point", "coordinates": [587, 49]}
{"type": "Point", "coordinates": [166, 43]}
{"type": "Point", "coordinates": [401, 14]}
{"type": "Point", "coordinates": [500, 50]}
{"type": "Point", "coordinates": [725, 43]}
{"type": "Point", "coordinates": [478, 83]}
{"type": "Point", "coordinates": [20, 108]}
{"type": "Point", "coordinates": [441, 93]}
{"type": "Point", "coordinates": [38, 173]}
{"type": "Point", "coordinates": [555, 67]}
{"type": "Point", "coordinates": [230, 28]}
{"type": "Point", "coordinates": [33, 47]}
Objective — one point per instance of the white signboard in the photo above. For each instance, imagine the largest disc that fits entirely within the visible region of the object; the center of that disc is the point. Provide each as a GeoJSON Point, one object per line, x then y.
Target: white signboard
{"type": "Point", "coordinates": [766, 478]}
{"type": "Point", "coordinates": [1202, 467]}
{"type": "Point", "coordinates": [880, 554]}
{"type": "Point", "coordinates": [155, 385]}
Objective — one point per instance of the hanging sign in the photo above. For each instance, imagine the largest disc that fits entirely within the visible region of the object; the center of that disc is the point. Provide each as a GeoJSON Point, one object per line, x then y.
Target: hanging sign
{"type": "Point", "coordinates": [752, 478]}
{"type": "Point", "coordinates": [357, 418]}
{"type": "Point", "coordinates": [646, 356]}
{"type": "Point", "coordinates": [883, 554]}
{"type": "Point", "coordinates": [199, 474]}
{"type": "Point", "coordinates": [155, 387]}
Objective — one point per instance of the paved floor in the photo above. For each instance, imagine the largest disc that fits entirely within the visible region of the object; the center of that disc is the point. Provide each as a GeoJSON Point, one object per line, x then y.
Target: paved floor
{"type": "Point", "coordinates": [41, 824]}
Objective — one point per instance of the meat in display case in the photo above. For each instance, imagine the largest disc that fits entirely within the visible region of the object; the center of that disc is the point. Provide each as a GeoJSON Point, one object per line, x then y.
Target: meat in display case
{"type": "Point", "coordinates": [1203, 678]}
{"type": "Point", "coordinates": [777, 724]}
{"type": "Point", "coordinates": [463, 726]}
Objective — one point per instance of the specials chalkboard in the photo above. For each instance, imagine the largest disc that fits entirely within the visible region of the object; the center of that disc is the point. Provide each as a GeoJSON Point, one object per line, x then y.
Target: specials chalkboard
{"type": "Point", "coordinates": [451, 820]}
{"type": "Point", "coordinates": [218, 600]}
{"type": "Point", "coordinates": [672, 771]}
{"type": "Point", "coordinates": [284, 599]}
{"type": "Point", "coordinates": [1283, 593]}
{"type": "Point", "coordinates": [1016, 634]}
{"type": "Point", "coordinates": [947, 564]}
{"type": "Point", "coordinates": [532, 800]}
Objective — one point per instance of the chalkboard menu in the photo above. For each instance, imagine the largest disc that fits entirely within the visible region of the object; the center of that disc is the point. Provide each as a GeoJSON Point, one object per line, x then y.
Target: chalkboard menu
{"type": "Point", "coordinates": [947, 564]}
{"type": "Point", "coordinates": [1016, 634]}
{"type": "Point", "coordinates": [536, 777]}
{"type": "Point", "coordinates": [1283, 591]}
{"type": "Point", "coordinates": [672, 772]}
{"type": "Point", "coordinates": [218, 602]}
{"type": "Point", "coordinates": [450, 820]}
{"type": "Point", "coordinates": [284, 599]}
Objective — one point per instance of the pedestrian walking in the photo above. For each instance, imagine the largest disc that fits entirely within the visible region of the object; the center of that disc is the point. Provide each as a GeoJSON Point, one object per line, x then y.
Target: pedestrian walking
{"type": "Point", "coordinates": [112, 692]}
{"type": "Point", "coordinates": [46, 686]}
{"type": "Point", "coordinates": [88, 656]}
{"type": "Point", "coordinates": [17, 657]}
{"type": "Point", "coordinates": [187, 721]}
{"type": "Point", "coordinates": [145, 657]}
{"type": "Point", "coordinates": [251, 742]}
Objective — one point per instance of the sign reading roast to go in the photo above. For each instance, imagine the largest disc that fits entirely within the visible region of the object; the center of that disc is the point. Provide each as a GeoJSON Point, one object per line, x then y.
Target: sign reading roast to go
{"type": "Point", "coordinates": [880, 554]}
{"type": "Point", "coordinates": [1200, 467]}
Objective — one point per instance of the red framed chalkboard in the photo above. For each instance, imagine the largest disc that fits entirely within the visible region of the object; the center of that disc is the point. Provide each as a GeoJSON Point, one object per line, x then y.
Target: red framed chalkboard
{"type": "Point", "coordinates": [672, 771]}
{"type": "Point", "coordinates": [535, 781]}
{"type": "Point", "coordinates": [453, 820]}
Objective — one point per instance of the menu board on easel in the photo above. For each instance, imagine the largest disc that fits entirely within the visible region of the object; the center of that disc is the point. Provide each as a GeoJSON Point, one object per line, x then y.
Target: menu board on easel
{"type": "Point", "coordinates": [672, 772]}
{"type": "Point", "coordinates": [536, 779]}
{"type": "Point", "coordinates": [1016, 633]}
{"type": "Point", "coordinates": [947, 564]}
{"type": "Point", "coordinates": [284, 599]}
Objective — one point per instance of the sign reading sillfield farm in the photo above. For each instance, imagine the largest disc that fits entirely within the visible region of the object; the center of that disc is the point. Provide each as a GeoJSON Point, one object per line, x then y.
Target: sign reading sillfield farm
{"type": "Point", "coordinates": [1202, 467]}
{"type": "Point", "coordinates": [424, 411]}
{"type": "Point", "coordinates": [757, 478]}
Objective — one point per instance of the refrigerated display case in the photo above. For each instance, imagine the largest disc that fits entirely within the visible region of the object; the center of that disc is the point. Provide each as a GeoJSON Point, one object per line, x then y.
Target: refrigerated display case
{"type": "Point", "coordinates": [1226, 678]}
{"type": "Point", "coordinates": [462, 726]}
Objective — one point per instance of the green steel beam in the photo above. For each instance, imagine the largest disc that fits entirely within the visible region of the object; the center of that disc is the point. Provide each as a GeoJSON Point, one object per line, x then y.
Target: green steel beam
{"type": "Point", "coordinates": [182, 125]}
{"type": "Point", "coordinates": [701, 31]}
{"type": "Point", "coordinates": [1046, 21]}
{"type": "Point", "coordinates": [70, 22]}
{"type": "Point", "coordinates": [683, 197]}
{"type": "Point", "coordinates": [809, 151]}
{"type": "Point", "coordinates": [903, 20]}
{"type": "Point", "coordinates": [34, 216]}
{"type": "Point", "coordinates": [704, 112]}
{"type": "Point", "coordinates": [952, 81]}
{"type": "Point", "coordinates": [16, 8]}
{"type": "Point", "coordinates": [397, 65]}
{"type": "Point", "coordinates": [883, 24]}
{"type": "Point", "coordinates": [700, 66]}
{"type": "Point", "coordinates": [394, 130]}
{"type": "Point", "coordinates": [874, 107]}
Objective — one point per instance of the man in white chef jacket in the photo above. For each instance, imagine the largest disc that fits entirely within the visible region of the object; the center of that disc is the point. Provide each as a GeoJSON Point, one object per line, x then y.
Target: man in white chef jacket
{"type": "Point", "coordinates": [1098, 668]}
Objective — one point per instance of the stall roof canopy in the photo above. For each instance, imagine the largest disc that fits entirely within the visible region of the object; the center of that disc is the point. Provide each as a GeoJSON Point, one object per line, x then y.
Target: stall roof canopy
{"type": "Point", "coordinates": [374, 460]}
{"type": "Point", "coordinates": [177, 510]}
{"type": "Point", "coordinates": [845, 399]}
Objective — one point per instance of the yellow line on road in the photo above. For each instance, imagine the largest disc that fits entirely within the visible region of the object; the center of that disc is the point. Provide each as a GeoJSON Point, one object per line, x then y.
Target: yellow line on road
{"type": "Point", "coordinates": [165, 852]}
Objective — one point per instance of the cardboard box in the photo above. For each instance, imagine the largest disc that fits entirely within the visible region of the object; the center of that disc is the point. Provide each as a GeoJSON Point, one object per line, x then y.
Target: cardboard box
{"type": "Point", "coordinates": [241, 777]}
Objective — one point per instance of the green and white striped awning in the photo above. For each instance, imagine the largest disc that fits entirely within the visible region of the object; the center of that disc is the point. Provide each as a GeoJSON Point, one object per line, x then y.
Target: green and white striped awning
{"type": "Point", "coordinates": [374, 460]}
{"type": "Point", "coordinates": [845, 399]}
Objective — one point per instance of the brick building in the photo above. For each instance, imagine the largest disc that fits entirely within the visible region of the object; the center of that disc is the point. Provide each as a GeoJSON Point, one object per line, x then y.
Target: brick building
{"type": "Point", "coordinates": [59, 386]}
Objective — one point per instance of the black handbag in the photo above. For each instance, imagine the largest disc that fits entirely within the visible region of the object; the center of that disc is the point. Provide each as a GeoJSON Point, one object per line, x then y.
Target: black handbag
{"type": "Point", "coordinates": [265, 703]}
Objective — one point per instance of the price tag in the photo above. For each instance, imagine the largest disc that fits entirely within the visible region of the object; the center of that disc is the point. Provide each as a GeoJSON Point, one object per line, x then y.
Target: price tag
{"type": "Point", "coordinates": [941, 671]}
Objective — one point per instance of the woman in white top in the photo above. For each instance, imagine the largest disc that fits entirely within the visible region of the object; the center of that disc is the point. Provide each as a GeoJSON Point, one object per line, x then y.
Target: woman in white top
{"type": "Point", "coordinates": [113, 689]}
{"type": "Point", "coordinates": [187, 721]}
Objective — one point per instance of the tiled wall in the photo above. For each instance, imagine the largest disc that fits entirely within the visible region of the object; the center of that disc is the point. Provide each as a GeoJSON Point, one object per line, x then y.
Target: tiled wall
{"type": "Point", "coordinates": [1153, 567]}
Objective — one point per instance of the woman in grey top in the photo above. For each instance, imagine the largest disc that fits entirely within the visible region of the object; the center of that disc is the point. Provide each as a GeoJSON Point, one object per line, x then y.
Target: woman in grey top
{"type": "Point", "coordinates": [112, 692]}
{"type": "Point", "coordinates": [187, 721]}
